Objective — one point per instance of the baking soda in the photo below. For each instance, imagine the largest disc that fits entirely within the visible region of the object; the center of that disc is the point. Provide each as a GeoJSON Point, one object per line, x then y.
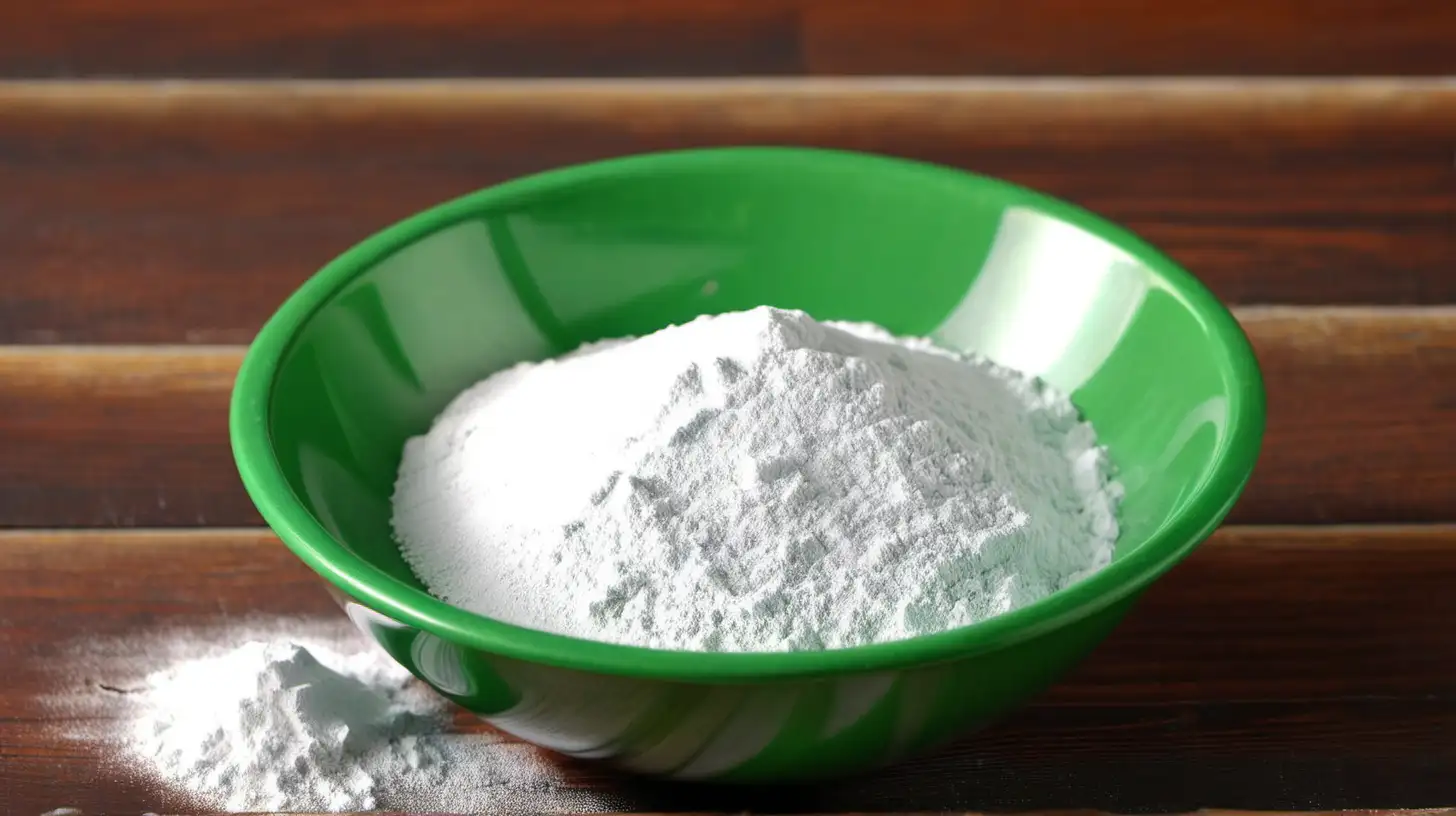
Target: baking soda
{"type": "Point", "coordinates": [755, 481]}
{"type": "Point", "coordinates": [275, 726]}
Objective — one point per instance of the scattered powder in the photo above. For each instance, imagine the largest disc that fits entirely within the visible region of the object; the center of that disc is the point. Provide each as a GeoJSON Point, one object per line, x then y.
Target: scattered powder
{"type": "Point", "coordinates": [268, 726]}
{"type": "Point", "coordinates": [277, 726]}
{"type": "Point", "coordinates": [755, 481]}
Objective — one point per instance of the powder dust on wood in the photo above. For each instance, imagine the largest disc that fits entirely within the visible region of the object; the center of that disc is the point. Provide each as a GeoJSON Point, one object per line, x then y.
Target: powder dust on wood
{"type": "Point", "coordinates": [755, 481]}
{"type": "Point", "coordinates": [272, 726]}
{"type": "Point", "coordinates": [287, 717]}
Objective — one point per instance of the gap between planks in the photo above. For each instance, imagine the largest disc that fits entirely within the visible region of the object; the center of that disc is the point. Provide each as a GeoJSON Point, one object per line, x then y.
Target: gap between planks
{"type": "Point", "coordinates": [1433, 536]}
{"type": "Point", "coordinates": [1164, 97]}
{"type": "Point", "coordinates": [1315, 325]}
{"type": "Point", "coordinates": [1326, 333]}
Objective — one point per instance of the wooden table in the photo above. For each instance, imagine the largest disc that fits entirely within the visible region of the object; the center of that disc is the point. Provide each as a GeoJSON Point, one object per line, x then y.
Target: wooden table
{"type": "Point", "coordinates": [1304, 659]}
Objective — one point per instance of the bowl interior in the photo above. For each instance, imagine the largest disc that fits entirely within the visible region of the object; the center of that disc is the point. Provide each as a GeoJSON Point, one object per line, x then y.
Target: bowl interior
{"type": "Point", "coordinates": [361, 360]}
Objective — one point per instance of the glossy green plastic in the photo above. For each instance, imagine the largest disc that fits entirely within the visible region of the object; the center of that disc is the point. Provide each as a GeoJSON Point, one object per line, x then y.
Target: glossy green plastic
{"type": "Point", "coordinates": [373, 346]}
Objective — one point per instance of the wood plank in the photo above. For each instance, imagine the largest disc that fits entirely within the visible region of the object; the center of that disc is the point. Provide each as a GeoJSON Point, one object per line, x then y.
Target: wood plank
{"type": "Point", "coordinates": [144, 213]}
{"type": "Point", "coordinates": [1345, 388]}
{"type": "Point", "coordinates": [1120, 37]}
{"type": "Point", "coordinates": [375, 38]}
{"type": "Point", "coordinates": [123, 438]}
{"type": "Point", "coordinates": [1362, 419]}
{"type": "Point", "coordinates": [1277, 668]}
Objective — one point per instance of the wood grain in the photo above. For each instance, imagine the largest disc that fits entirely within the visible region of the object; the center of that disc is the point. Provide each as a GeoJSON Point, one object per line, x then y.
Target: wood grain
{"type": "Point", "coordinates": [118, 438]}
{"type": "Point", "coordinates": [1275, 668]}
{"type": "Point", "coordinates": [1286, 37]}
{"type": "Point", "coordinates": [1362, 420]}
{"type": "Point", "coordinates": [374, 38]}
{"type": "Point", "coordinates": [140, 213]}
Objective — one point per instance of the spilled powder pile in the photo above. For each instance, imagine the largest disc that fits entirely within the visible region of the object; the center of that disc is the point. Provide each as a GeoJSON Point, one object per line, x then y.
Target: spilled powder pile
{"type": "Point", "coordinates": [755, 481]}
{"type": "Point", "coordinates": [273, 726]}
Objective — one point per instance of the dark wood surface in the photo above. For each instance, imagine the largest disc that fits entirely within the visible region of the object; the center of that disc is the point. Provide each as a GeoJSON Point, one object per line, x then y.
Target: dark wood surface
{"type": "Point", "coordinates": [1362, 425]}
{"type": "Point", "coordinates": [513, 38]}
{"type": "Point", "coordinates": [133, 214]}
{"type": "Point", "coordinates": [1201, 812]}
{"type": "Point", "coordinates": [150, 222]}
{"type": "Point", "coordinates": [1258, 674]}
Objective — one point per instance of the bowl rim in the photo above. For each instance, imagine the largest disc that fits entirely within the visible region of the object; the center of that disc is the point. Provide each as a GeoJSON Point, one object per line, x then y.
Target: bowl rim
{"type": "Point", "coordinates": [262, 476]}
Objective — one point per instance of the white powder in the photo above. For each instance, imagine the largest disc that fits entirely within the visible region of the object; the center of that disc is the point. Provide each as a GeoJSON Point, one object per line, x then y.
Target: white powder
{"type": "Point", "coordinates": [273, 726]}
{"type": "Point", "coordinates": [755, 481]}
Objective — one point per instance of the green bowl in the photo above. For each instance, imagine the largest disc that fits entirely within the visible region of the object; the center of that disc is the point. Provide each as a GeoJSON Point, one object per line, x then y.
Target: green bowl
{"type": "Point", "coordinates": [367, 352]}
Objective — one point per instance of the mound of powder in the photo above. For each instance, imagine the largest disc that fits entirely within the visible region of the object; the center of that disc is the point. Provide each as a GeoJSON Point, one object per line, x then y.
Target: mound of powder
{"type": "Point", "coordinates": [271, 726]}
{"type": "Point", "coordinates": [755, 481]}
